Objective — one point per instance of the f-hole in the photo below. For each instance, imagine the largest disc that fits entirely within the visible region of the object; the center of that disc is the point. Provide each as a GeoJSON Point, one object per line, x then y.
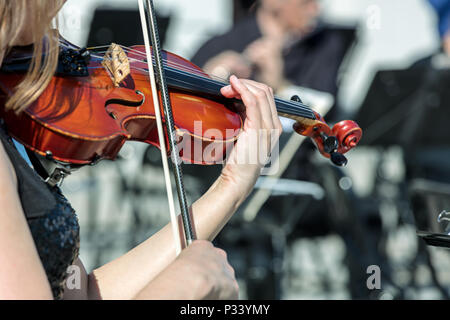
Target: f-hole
{"type": "Point", "coordinates": [127, 103]}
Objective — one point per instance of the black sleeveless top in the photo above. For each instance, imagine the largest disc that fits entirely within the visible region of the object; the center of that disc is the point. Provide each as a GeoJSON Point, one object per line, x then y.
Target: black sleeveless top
{"type": "Point", "coordinates": [52, 221]}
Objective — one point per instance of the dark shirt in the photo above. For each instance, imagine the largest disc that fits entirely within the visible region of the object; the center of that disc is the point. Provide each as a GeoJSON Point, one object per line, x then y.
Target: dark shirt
{"type": "Point", "coordinates": [312, 62]}
{"type": "Point", "coordinates": [52, 221]}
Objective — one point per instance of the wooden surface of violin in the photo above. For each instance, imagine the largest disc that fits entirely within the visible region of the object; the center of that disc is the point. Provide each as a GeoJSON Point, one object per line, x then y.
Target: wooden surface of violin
{"type": "Point", "coordinates": [98, 100]}
{"type": "Point", "coordinates": [80, 119]}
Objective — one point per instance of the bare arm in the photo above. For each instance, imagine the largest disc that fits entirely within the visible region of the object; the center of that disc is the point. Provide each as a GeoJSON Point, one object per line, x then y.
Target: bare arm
{"type": "Point", "coordinates": [127, 276]}
{"type": "Point", "coordinates": [132, 271]}
{"type": "Point", "coordinates": [22, 275]}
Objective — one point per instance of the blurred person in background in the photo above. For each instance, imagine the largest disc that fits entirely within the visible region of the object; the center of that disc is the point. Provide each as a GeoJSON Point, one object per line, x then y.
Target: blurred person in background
{"type": "Point", "coordinates": [282, 43]}
{"type": "Point", "coordinates": [442, 8]}
{"type": "Point", "coordinates": [39, 230]}
{"type": "Point", "coordinates": [427, 153]}
{"type": "Point", "coordinates": [427, 159]}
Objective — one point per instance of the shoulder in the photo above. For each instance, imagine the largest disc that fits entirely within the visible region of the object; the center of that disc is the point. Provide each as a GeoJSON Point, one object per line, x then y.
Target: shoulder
{"type": "Point", "coordinates": [19, 259]}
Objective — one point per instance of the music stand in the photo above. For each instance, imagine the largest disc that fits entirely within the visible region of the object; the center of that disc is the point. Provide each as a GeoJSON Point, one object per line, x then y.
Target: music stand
{"type": "Point", "coordinates": [408, 108]}
{"type": "Point", "coordinates": [105, 28]}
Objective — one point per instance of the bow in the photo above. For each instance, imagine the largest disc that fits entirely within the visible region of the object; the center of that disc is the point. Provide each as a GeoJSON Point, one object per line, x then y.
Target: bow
{"type": "Point", "coordinates": [156, 71]}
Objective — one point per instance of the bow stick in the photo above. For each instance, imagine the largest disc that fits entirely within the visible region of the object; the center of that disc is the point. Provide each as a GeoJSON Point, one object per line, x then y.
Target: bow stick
{"type": "Point", "coordinates": [150, 31]}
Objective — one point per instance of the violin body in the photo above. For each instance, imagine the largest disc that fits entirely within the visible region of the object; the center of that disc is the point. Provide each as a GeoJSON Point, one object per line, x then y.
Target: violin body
{"type": "Point", "coordinates": [82, 119]}
{"type": "Point", "coordinates": [86, 113]}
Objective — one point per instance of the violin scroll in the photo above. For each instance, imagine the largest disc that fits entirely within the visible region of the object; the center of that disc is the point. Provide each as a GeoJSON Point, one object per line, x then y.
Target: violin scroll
{"type": "Point", "coordinates": [348, 134]}
{"type": "Point", "coordinates": [331, 142]}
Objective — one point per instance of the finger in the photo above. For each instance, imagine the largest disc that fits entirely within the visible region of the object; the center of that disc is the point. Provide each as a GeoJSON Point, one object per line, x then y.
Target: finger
{"type": "Point", "coordinates": [252, 46]}
{"type": "Point", "coordinates": [229, 92]}
{"type": "Point", "coordinates": [228, 270]}
{"type": "Point", "coordinates": [205, 243]}
{"type": "Point", "coordinates": [222, 252]}
{"type": "Point", "coordinates": [267, 102]}
{"type": "Point", "coordinates": [271, 98]}
{"type": "Point", "coordinates": [229, 290]}
{"type": "Point", "coordinates": [273, 107]}
{"type": "Point", "coordinates": [276, 122]}
{"type": "Point", "coordinates": [235, 288]}
{"type": "Point", "coordinates": [263, 106]}
{"type": "Point", "coordinates": [253, 114]}
{"type": "Point", "coordinates": [232, 272]}
{"type": "Point", "coordinates": [262, 49]}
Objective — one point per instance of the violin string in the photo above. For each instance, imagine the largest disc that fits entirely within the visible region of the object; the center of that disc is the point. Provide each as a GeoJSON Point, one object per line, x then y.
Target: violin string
{"type": "Point", "coordinates": [212, 77]}
{"type": "Point", "coordinates": [184, 70]}
{"type": "Point", "coordinates": [139, 53]}
{"type": "Point", "coordinates": [169, 63]}
{"type": "Point", "coordinates": [290, 108]}
{"type": "Point", "coordinates": [175, 64]}
{"type": "Point", "coordinates": [190, 70]}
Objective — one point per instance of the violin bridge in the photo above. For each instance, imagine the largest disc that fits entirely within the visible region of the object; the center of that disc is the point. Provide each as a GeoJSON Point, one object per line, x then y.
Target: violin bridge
{"type": "Point", "coordinates": [115, 61]}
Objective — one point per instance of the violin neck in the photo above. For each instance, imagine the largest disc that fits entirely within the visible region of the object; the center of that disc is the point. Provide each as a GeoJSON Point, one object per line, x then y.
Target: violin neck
{"type": "Point", "coordinates": [185, 81]}
{"type": "Point", "coordinates": [294, 110]}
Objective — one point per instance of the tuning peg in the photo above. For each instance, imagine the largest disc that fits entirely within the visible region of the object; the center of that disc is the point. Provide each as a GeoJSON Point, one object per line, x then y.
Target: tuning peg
{"type": "Point", "coordinates": [296, 98]}
{"type": "Point", "coordinates": [338, 159]}
{"type": "Point", "coordinates": [85, 54]}
{"type": "Point", "coordinates": [330, 144]}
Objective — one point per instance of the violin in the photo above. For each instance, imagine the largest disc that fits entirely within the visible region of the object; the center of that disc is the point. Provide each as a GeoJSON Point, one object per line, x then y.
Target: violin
{"type": "Point", "coordinates": [100, 99]}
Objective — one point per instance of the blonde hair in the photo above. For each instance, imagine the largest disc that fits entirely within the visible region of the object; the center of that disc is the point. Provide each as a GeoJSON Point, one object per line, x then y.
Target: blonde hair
{"type": "Point", "coordinates": [38, 16]}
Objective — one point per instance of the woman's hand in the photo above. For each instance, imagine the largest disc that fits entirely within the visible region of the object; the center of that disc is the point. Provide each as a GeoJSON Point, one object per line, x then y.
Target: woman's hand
{"type": "Point", "coordinates": [262, 128]}
{"type": "Point", "coordinates": [212, 275]}
{"type": "Point", "coordinates": [201, 271]}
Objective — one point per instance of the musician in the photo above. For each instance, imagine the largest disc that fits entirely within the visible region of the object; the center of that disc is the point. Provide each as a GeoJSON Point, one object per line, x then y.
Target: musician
{"type": "Point", "coordinates": [39, 231]}
{"type": "Point", "coordinates": [282, 43]}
